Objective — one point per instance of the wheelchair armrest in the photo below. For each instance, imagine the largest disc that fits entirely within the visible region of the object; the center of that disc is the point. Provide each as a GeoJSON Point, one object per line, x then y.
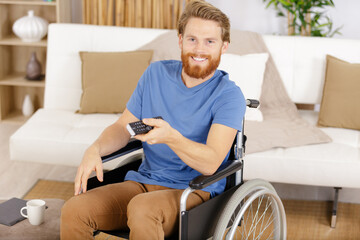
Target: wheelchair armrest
{"type": "Point", "coordinates": [132, 146]}
{"type": "Point", "coordinates": [226, 170]}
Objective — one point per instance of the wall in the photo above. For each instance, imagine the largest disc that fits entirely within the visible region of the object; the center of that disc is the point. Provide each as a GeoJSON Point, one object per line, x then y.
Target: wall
{"type": "Point", "coordinates": [253, 16]}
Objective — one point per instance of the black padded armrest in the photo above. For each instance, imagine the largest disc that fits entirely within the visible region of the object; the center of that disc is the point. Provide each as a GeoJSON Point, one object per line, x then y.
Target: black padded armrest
{"type": "Point", "coordinates": [132, 146]}
{"type": "Point", "coordinates": [226, 170]}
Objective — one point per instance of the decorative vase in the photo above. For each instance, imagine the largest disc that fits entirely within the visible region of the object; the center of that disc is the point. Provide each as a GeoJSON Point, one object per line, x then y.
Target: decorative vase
{"type": "Point", "coordinates": [33, 68]}
{"type": "Point", "coordinates": [28, 107]}
{"type": "Point", "coordinates": [30, 28]}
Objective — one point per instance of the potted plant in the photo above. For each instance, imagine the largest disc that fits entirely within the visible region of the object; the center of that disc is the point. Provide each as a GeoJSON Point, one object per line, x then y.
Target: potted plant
{"type": "Point", "coordinates": [305, 17]}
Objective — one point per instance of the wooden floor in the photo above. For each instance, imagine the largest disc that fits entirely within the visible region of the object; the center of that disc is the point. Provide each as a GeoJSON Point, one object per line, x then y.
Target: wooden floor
{"type": "Point", "coordinates": [311, 220]}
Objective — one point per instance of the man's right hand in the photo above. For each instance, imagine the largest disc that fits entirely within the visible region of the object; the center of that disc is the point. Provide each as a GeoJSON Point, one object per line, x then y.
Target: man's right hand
{"type": "Point", "coordinates": [111, 139]}
{"type": "Point", "coordinates": [90, 162]}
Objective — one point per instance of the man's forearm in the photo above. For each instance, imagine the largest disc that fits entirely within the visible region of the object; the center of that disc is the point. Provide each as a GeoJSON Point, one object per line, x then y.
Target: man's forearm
{"type": "Point", "coordinates": [198, 156]}
{"type": "Point", "coordinates": [205, 158]}
{"type": "Point", "coordinates": [111, 139]}
{"type": "Point", "coordinates": [114, 136]}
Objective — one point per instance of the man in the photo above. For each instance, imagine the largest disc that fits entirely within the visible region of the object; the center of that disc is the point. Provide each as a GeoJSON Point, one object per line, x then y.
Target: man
{"type": "Point", "coordinates": [202, 111]}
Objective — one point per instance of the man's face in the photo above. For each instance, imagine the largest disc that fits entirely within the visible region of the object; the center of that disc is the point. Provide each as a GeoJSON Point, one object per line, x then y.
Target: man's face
{"type": "Point", "coordinates": [201, 47]}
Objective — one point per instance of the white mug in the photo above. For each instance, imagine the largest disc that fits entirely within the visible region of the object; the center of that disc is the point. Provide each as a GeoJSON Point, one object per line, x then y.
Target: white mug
{"type": "Point", "coordinates": [35, 211]}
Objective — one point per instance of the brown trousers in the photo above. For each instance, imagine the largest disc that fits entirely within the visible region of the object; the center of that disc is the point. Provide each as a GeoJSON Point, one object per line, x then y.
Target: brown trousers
{"type": "Point", "coordinates": [149, 211]}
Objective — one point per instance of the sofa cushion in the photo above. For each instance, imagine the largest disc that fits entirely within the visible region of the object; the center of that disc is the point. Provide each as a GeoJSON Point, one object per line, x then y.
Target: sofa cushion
{"type": "Point", "coordinates": [63, 63]}
{"type": "Point", "coordinates": [344, 136]}
{"type": "Point", "coordinates": [247, 71]}
{"type": "Point", "coordinates": [339, 105]}
{"type": "Point", "coordinates": [329, 164]}
{"type": "Point", "coordinates": [59, 137]}
{"type": "Point", "coordinates": [109, 78]}
{"type": "Point", "coordinates": [309, 164]}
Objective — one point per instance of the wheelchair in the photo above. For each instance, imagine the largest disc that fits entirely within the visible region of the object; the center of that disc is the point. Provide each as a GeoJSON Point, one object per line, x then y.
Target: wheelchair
{"type": "Point", "coordinates": [245, 210]}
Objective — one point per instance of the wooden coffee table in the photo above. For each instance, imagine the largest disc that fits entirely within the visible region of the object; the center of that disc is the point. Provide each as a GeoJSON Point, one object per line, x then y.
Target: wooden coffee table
{"type": "Point", "coordinates": [48, 230]}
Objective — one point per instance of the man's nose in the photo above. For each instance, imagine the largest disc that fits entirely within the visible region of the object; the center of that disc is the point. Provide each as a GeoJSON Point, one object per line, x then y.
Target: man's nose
{"type": "Point", "coordinates": [199, 48]}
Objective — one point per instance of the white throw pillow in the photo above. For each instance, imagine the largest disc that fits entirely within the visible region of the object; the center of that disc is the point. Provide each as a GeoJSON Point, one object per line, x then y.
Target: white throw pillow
{"type": "Point", "coordinates": [247, 71]}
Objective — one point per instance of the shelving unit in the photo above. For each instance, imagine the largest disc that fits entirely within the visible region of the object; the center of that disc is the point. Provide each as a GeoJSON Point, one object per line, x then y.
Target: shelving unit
{"type": "Point", "coordinates": [15, 54]}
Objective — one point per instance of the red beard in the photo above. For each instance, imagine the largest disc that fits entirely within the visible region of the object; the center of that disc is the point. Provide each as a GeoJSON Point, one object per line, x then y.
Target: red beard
{"type": "Point", "coordinates": [197, 71]}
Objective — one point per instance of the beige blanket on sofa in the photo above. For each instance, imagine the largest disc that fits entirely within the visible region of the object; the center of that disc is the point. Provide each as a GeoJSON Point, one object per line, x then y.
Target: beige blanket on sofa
{"type": "Point", "coordinates": [282, 125]}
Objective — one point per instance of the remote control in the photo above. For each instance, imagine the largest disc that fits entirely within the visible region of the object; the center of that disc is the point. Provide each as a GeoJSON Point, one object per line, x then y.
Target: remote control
{"type": "Point", "coordinates": [139, 127]}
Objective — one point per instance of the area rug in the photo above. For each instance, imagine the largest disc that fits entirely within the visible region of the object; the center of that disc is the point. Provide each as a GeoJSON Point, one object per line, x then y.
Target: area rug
{"type": "Point", "coordinates": [51, 189]}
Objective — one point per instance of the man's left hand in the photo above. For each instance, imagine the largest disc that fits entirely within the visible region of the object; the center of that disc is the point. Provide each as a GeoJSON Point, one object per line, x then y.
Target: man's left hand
{"type": "Point", "coordinates": [161, 133]}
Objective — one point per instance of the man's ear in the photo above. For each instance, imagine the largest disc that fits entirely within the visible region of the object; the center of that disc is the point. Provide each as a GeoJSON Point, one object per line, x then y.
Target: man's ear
{"type": "Point", "coordinates": [180, 41]}
{"type": "Point", "coordinates": [224, 47]}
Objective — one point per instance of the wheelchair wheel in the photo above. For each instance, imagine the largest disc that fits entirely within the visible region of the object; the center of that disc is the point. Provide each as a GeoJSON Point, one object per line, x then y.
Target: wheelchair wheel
{"type": "Point", "coordinates": [254, 211]}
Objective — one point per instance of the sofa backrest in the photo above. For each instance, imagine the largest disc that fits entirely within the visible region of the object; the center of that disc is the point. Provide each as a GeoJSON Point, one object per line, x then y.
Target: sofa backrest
{"type": "Point", "coordinates": [300, 60]}
{"type": "Point", "coordinates": [63, 65]}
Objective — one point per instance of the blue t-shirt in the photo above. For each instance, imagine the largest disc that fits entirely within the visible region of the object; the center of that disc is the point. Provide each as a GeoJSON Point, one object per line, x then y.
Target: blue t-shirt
{"type": "Point", "coordinates": [191, 111]}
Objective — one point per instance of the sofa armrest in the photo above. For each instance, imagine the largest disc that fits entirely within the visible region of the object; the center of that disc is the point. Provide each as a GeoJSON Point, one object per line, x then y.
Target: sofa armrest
{"type": "Point", "coordinates": [226, 170]}
{"type": "Point", "coordinates": [132, 146]}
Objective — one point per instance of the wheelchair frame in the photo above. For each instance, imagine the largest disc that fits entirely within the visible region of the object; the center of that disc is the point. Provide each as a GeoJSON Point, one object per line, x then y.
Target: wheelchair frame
{"type": "Point", "coordinates": [198, 223]}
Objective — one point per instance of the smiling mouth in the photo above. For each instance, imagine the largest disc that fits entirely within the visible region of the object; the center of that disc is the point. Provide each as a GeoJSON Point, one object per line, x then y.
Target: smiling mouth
{"type": "Point", "coordinates": [199, 59]}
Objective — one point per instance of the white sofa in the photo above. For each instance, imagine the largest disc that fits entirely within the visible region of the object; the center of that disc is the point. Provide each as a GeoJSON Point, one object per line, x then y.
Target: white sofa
{"type": "Point", "coordinates": [56, 134]}
{"type": "Point", "coordinates": [301, 64]}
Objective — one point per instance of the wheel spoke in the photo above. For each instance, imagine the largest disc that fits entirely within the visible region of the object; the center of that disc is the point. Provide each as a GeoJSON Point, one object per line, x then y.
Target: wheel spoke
{"type": "Point", "coordinates": [251, 228]}
{"type": "Point", "coordinates": [267, 206]}
{"type": "Point", "coordinates": [257, 214]}
{"type": "Point", "coordinates": [254, 212]}
{"type": "Point", "coordinates": [268, 224]}
{"type": "Point", "coordinates": [248, 232]}
{"type": "Point", "coordinates": [260, 234]}
{"type": "Point", "coordinates": [261, 218]}
{"type": "Point", "coordinates": [262, 222]}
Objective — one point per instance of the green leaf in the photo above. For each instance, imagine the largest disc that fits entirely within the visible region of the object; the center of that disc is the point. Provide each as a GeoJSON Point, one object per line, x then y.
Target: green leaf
{"type": "Point", "coordinates": [324, 25]}
{"type": "Point", "coordinates": [316, 33]}
{"type": "Point", "coordinates": [299, 9]}
{"type": "Point", "coordinates": [284, 3]}
{"type": "Point", "coordinates": [269, 4]}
